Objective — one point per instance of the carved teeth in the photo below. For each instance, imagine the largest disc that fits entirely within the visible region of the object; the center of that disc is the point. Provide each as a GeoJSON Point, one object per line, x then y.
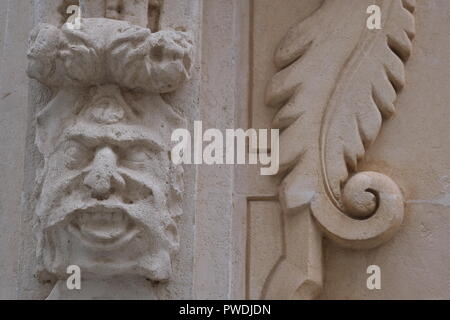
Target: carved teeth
{"type": "Point", "coordinates": [101, 224]}
{"type": "Point", "coordinates": [114, 216]}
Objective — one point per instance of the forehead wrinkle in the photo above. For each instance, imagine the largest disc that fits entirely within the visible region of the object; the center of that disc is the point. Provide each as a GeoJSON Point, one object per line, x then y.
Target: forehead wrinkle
{"type": "Point", "coordinates": [114, 134]}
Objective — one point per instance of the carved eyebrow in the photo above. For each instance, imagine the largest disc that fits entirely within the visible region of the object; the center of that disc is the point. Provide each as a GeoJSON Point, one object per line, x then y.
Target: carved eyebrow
{"type": "Point", "coordinates": [123, 136]}
{"type": "Point", "coordinates": [93, 141]}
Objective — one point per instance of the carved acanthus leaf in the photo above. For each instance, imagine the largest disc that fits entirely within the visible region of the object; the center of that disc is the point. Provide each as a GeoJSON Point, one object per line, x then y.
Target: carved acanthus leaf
{"type": "Point", "coordinates": [364, 94]}
{"type": "Point", "coordinates": [343, 75]}
{"type": "Point", "coordinates": [336, 83]}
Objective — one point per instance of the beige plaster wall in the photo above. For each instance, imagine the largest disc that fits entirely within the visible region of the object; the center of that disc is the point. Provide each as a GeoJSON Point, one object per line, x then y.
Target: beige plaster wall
{"type": "Point", "coordinates": [15, 23]}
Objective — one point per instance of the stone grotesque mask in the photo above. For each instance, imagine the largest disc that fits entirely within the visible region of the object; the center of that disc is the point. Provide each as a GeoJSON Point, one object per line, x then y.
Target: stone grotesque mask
{"type": "Point", "coordinates": [109, 195]}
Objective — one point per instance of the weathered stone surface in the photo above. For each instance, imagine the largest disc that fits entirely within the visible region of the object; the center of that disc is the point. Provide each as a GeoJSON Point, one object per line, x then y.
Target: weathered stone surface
{"type": "Point", "coordinates": [109, 197]}
{"type": "Point", "coordinates": [87, 179]}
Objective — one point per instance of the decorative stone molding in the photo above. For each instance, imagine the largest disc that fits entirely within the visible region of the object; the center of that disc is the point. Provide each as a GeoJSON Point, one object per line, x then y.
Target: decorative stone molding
{"type": "Point", "coordinates": [337, 82]}
{"type": "Point", "coordinates": [109, 196]}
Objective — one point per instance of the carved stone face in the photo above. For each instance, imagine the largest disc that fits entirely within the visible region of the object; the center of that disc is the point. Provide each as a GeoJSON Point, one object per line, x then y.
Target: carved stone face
{"type": "Point", "coordinates": [108, 190]}
{"type": "Point", "coordinates": [108, 194]}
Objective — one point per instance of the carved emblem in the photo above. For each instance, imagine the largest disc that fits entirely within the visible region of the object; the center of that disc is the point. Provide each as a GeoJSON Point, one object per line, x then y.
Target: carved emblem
{"type": "Point", "coordinates": [337, 82]}
{"type": "Point", "coordinates": [109, 195]}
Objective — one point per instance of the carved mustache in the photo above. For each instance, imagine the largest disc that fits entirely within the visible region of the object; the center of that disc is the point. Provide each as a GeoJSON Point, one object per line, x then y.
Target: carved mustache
{"type": "Point", "coordinates": [73, 195]}
{"type": "Point", "coordinates": [111, 222]}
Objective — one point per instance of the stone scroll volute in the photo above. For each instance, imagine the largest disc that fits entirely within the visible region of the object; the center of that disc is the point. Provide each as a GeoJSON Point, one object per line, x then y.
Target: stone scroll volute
{"type": "Point", "coordinates": [337, 82]}
{"type": "Point", "coordinates": [109, 197]}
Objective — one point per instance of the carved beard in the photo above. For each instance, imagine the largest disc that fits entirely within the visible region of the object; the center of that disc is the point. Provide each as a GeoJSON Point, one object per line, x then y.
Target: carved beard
{"type": "Point", "coordinates": [109, 237]}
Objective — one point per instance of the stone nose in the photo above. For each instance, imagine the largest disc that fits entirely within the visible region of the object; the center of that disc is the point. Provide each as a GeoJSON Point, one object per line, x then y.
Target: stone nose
{"type": "Point", "coordinates": [102, 177]}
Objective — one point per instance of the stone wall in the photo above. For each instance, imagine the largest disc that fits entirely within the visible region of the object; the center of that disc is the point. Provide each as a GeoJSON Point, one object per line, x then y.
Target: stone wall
{"type": "Point", "coordinates": [86, 171]}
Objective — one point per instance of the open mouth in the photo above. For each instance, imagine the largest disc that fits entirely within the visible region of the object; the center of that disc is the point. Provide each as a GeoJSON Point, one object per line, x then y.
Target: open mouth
{"type": "Point", "coordinates": [103, 228]}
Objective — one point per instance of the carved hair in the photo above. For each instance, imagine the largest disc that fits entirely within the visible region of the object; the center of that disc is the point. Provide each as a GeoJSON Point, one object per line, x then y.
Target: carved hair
{"type": "Point", "coordinates": [108, 51]}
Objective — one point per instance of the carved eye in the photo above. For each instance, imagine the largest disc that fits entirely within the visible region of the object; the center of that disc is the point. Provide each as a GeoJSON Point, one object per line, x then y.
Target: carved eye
{"type": "Point", "coordinates": [76, 155]}
{"type": "Point", "coordinates": [138, 154]}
